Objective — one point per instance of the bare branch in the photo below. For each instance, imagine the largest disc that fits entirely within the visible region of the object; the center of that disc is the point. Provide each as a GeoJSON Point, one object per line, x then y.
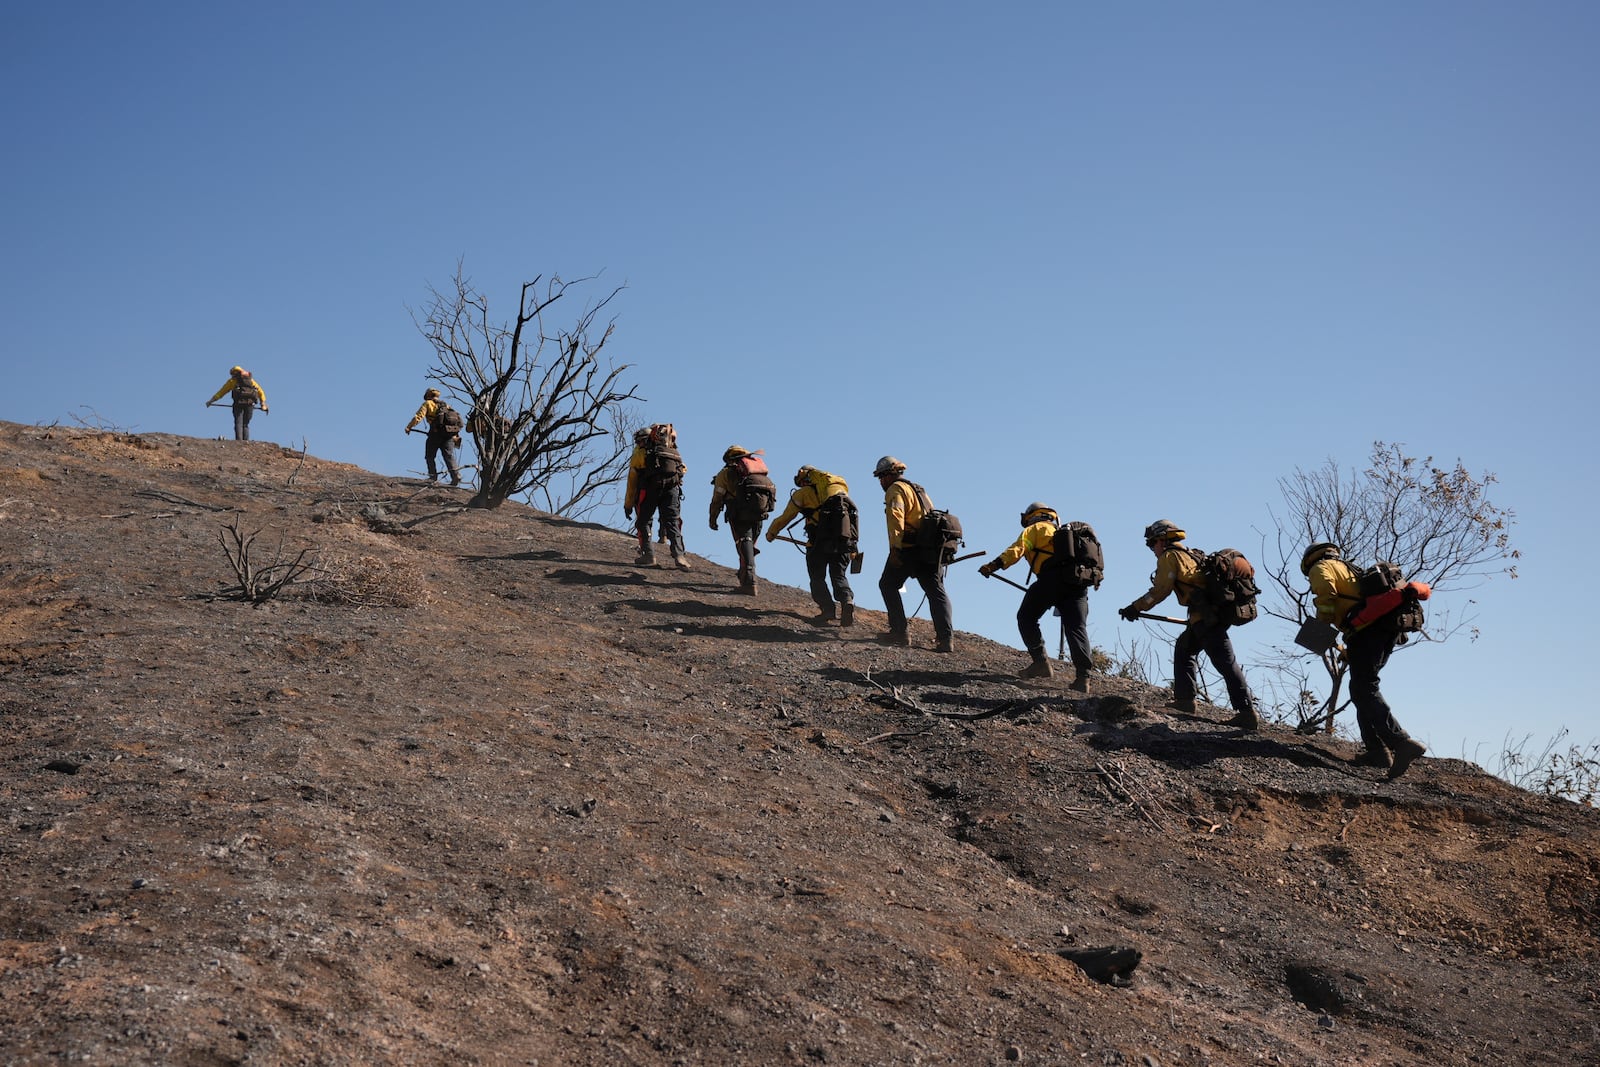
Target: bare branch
{"type": "Point", "coordinates": [549, 418]}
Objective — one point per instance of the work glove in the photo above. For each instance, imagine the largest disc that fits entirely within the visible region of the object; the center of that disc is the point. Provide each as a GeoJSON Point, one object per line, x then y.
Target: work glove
{"type": "Point", "coordinates": [627, 513]}
{"type": "Point", "coordinates": [1130, 613]}
{"type": "Point", "coordinates": [771, 536]}
{"type": "Point", "coordinates": [408, 429]}
{"type": "Point", "coordinates": [713, 524]}
{"type": "Point", "coordinates": [988, 569]}
{"type": "Point", "coordinates": [265, 409]}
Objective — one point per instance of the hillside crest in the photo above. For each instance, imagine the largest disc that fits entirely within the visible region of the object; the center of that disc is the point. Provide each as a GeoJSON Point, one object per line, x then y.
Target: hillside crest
{"type": "Point", "coordinates": [485, 791]}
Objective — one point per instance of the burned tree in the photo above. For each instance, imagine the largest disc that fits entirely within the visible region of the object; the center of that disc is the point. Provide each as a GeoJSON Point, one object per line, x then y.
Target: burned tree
{"type": "Point", "coordinates": [1436, 523]}
{"type": "Point", "coordinates": [550, 420]}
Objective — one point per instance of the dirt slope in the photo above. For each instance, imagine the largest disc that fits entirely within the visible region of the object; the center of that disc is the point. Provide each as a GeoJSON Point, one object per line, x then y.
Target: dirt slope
{"type": "Point", "coordinates": [489, 793]}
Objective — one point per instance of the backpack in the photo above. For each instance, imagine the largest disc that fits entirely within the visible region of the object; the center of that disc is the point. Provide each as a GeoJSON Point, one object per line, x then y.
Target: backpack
{"type": "Point", "coordinates": [754, 495]}
{"type": "Point", "coordinates": [1076, 549]}
{"type": "Point", "coordinates": [1377, 582]}
{"type": "Point", "coordinates": [937, 538]}
{"type": "Point", "coordinates": [663, 465]}
{"type": "Point", "coordinates": [244, 391]}
{"type": "Point", "coordinates": [449, 419]}
{"type": "Point", "coordinates": [1230, 586]}
{"type": "Point", "coordinates": [836, 526]}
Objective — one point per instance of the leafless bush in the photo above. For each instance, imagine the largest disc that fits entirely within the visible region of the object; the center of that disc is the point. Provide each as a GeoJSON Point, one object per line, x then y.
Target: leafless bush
{"type": "Point", "coordinates": [1572, 775]}
{"type": "Point", "coordinates": [263, 578]}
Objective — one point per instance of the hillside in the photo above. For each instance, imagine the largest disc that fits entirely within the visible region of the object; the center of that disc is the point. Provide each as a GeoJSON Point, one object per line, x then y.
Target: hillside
{"type": "Point", "coordinates": [486, 792]}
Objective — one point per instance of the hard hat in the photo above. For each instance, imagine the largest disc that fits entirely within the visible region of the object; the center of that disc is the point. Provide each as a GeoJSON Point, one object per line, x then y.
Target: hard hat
{"type": "Point", "coordinates": [1162, 530]}
{"type": "Point", "coordinates": [802, 477]}
{"type": "Point", "coordinates": [886, 466]}
{"type": "Point", "coordinates": [1319, 551]}
{"type": "Point", "coordinates": [734, 452]}
{"type": "Point", "coordinates": [431, 394]}
{"type": "Point", "coordinates": [236, 370]}
{"type": "Point", "coordinates": [1032, 513]}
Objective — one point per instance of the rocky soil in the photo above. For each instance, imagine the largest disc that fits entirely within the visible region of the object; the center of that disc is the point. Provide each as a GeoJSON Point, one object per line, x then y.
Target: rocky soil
{"type": "Point", "coordinates": [477, 789]}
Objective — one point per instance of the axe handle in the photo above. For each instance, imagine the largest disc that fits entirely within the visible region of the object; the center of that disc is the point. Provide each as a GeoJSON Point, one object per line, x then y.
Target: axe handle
{"type": "Point", "coordinates": [1008, 581]}
{"type": "Point", "coordinates": [1163, 618]}
{"type": "Point", "coordinates": [969, 555]}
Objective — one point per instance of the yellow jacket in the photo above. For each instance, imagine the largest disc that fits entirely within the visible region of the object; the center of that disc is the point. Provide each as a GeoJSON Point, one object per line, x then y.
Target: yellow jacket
{"type": "Point", "coordinates": [1334, 586]}
{"type": "Point", "coordinates": [820, 485]}
{"type": "Point", "coordinates": [1176, 572]}
{"type": "Point", "coordinates": [1036, 544]}
{"type": "Point", "coordinates": [429, 410]}
{"type": "Point", "coordinates": [233, 383]}
{"type": "Point", "coordinates": [635, 469]}
{"type": "Point", "coordinates": [902, 510]}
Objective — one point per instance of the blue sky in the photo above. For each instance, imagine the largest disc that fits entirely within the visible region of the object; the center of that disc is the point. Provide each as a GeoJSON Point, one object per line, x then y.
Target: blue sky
{"type": "Point", "coordinates": [1139, 261]}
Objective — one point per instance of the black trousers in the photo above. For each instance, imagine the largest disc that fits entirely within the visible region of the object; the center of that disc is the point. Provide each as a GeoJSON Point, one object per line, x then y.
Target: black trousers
{"type": "Point", "coordinates": [437, 442]}
{"type": "Point", "coordinates": [1212, 639]}
{"type": "Point", "coordinates": [668, 500]}
{"type": "Point", "coordinates": [241, 421]}
{"type": "Point", "coordinates": [828, 568]}
{"type": "Point", "coordinates": [928, 575]}
{"type": "Point", "coordinates": [1072, 600]}
{"type": "Point", "coordinates": [1367, 652]}
{"type": "Point", "coordinates": [744, 542]}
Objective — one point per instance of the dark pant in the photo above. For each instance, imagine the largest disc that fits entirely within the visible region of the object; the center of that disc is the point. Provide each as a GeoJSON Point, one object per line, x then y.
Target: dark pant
{"type": "Point", "coordinates": [744, 542]}
{"type": "Point", "coordinates": [1367, 651]}
{"type": "Point", "coordinates": [1072, 600]}
{"type": "Point", "coordinates": [439, 441]}
{"type": "Point", "coordinates": [241, 421]}
{"type": "Point", "coordinates": [824, 567]}
{"type": "Point", "coordinates": [928, 575]}
{"type": "Point", "coordinates": [668, 500]}
{"type": "Point", "coordinates": [1212, 639]}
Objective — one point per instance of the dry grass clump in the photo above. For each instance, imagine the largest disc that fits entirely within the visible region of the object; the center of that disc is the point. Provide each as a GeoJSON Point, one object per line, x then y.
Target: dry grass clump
{"type": "Point", "coordinates": [366, 581]}
{"type": "Point", "coordinates": [364, 570]}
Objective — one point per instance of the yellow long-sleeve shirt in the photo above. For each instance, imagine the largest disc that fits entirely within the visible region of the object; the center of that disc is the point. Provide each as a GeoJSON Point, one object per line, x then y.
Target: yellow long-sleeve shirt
{"type": "Point", "coordinates": [1176, 572]}
{"type": "Point", "coordinates": [1334, 586]}
{"type": "Point", "coordinates": [234, 382]}
{"type": "Point", "coordinates": [806, 500]}
{"type": "Point", "coordinates": [1036, 544]}
{"type": "Point", "coordinates": [902, 512]}
{"type": "Point", "coordinates": [429, 410]}
{"type": "Point", "coordinates": [636, 464]}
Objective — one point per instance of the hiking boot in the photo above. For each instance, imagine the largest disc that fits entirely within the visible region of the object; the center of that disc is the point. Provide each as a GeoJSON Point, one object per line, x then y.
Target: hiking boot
{"type": "Point", "coordinates": [894, 637]}
{"type": "Point", "coordinates": [1406, 753]}
{"type": "Point", "coordinates": [680, 562]}
{"type": "Point", "coordinates": [823, 617]}
{"type": "Point", "coordinates": [945, 644]}
{"type": "Point", "coordinates": [1372, 757]}
{"type": "Point", "coordinates": [1080, 682]}
{"type": "Point", "coordinates": [1039, 668]}
{"type": "Point", "coordinates": [645, 559]}
{"type": "Point", "coordinates": [1185, 706]}
{"type": "Point", "coordinates": [847, 614]}
{"type": "Point", "coordinates": [748, 589]}
{"type": "Point", "coordinates": [1246, 720]}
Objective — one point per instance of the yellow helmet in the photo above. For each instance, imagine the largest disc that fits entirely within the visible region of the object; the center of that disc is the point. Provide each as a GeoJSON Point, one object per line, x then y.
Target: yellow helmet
{"type": "Point", "coordinates": [431, 394]}
{"type": "Point", "coordinates": [236, 371]}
